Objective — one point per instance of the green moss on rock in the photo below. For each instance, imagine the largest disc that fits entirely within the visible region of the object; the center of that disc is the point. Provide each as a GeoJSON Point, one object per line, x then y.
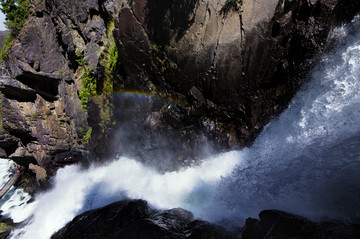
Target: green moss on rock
{"type": "Point", "coordinates": [87, 80]}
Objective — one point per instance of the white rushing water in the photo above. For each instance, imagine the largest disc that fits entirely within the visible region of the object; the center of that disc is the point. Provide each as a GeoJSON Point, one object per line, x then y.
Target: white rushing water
{"type": "Point", "coordinates": [76, 191]}
{"type": "Point", "coordinates": [305, 162]}
{"type": "Point", "coordinates": [308, 160]}
{"type": "Point", "coordinates": [13, 204]}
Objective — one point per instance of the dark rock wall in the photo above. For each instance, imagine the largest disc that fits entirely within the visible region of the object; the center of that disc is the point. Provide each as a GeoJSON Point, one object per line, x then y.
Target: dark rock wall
{"type": "Point", "coordinates": [229, 71]}
{"type": "Point", "coordinates": [239, 68]}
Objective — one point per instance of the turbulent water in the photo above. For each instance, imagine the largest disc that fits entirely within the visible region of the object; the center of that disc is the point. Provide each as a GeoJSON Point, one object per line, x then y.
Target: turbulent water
{"type": "Point", "coordinates": [308, 160]}
{"type": "Point", "coordinates": [13, 204]}
{"type": "Point", "coordinates": [305, 162]}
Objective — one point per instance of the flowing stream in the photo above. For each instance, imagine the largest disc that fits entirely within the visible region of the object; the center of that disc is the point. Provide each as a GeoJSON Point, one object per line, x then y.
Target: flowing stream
{"type": "Point", "coordinates": [307, 162]}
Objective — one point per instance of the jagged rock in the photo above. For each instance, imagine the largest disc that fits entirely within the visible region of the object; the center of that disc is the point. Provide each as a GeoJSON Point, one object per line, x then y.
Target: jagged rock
{"type": "Point", "coordinates": [277, 224]}
{"type": "Point", "coordinates": [135, 219]}
{"type": "Point", "coordinates": [7, 140]}
{"type": "Point", "coordinates": [41, 128]}
{"type": "Point", "coordinates": [39, 171]}
{"type": "Point", "coordinates": [15, 89]}
{"type": "Point", "coordinates": [2, 153]}
{"type": "Point", "coordinates": [6, 226]}
{"type": "Point", "coordinates": [20, 152]}
{"type": "Point", "coordinates": [345, 11]}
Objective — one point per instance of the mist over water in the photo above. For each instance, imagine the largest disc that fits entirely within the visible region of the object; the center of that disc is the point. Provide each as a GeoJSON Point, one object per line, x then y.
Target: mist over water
{"type": "Point", "coordinates": [304, 162]}
{"type": "Point", "coordinates": [76, 191]}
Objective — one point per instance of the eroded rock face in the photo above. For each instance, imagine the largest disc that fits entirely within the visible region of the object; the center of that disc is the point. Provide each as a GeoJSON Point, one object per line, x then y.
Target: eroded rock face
{"type": "Point", "coordinates": [42, 118]}
{"type": "Point", "coordinates": [235, 68]}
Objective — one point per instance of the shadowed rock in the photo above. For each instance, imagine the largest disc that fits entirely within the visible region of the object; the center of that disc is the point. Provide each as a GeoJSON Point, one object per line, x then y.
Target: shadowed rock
{"type": "Point", "coordinates": [135, 219]}
{"type": "Point", "coordinates": [276, 224]}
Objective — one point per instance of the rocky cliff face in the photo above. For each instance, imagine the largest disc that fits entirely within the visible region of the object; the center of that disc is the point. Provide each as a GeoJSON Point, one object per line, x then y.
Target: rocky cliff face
{"type": "Point", "coordinates": [240, 66]}
{"type": "Point", "coordinates": [228, 68]}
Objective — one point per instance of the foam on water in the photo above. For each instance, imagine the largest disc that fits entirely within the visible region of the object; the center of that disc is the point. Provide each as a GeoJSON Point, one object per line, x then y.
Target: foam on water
{"type": "Point", "coordinates": [14, 204]}
{"type": "Point", "coordinates": [307, 161]}
{"type": "Point", "coordinates": [76, 191]}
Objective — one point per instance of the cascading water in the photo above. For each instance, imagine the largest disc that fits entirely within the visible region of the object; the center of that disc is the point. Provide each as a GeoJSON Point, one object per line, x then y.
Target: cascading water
{"type": "Point", "coordinates": [305, 162]}
{"type": "Point", "coordinates": [13, 204]}
{"type": "Point", "coordinates": [308, 160]}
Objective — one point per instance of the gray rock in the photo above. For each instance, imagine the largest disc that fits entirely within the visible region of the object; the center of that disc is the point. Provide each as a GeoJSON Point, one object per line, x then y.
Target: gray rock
{"type": "Point", "coordinates": [2, 153]}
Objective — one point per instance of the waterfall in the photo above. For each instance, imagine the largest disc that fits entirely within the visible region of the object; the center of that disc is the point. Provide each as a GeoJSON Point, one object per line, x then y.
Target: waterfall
{"type": "Point", "coordinates": [308, 160]}
{"type": "Point", "coordinates": [305, 162]}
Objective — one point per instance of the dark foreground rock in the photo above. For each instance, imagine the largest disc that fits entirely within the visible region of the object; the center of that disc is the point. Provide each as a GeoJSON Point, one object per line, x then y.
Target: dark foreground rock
{"type": "Point", "coordinates": [277, 224]}
{"type": "Point", "coordinates": [5, 228]}
{"type": "Point", "coordinates": [135, 219]}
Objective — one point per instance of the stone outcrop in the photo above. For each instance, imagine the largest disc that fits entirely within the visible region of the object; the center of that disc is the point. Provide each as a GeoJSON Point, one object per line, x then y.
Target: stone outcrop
{"type": "Point", "coordinates": [42, 118]}
{"type": "Point", "coordinates": [227, 69]}
{"type": "Point", "coordinates": [277, 224]}
{"type": "Point", "coordinates": [135, 219]}
{"type": "Point", "coordinates": [39, 172]}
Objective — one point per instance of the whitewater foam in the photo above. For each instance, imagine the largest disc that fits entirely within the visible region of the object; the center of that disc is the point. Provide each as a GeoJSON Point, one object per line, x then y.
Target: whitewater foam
{"type": "Point", "coordinates": [306, 161]}
{"type": "Point", "coordinates": [14, 204]}
{"type": "Point", "coordinates": [76, 191]}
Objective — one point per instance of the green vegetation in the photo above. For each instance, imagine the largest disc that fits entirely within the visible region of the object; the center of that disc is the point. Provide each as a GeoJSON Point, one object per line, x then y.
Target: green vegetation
{"type": "Point", "coordinates": [5, 227]}
{"type": "Point", "coordinates": [48, 113]}
{"type": "Point", "coordinates": [88, 87]}
{"type": "Point", "coordinates": [231, 5]}
{"type": "Point", "coordinates": [110, 65]}
{"type": "Point", "coordinates": [16, 13]}
{"type": "Point", "coordinates": [87, 80]}
{"type": "Point", "coordinates": [99, 87]}
{"type": "Point", "coordinates": [113, 57]}
{"type": "Point", "coordinates": [109, 28]}
{"type": "Point", "coordinates": [8, 44]}
{"type": "Point", "coordinates": [86, 134]}
{"type": "Point", "coordinates": [159, 54]}
{"type": "Point", "coordinates": [35, 115]}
